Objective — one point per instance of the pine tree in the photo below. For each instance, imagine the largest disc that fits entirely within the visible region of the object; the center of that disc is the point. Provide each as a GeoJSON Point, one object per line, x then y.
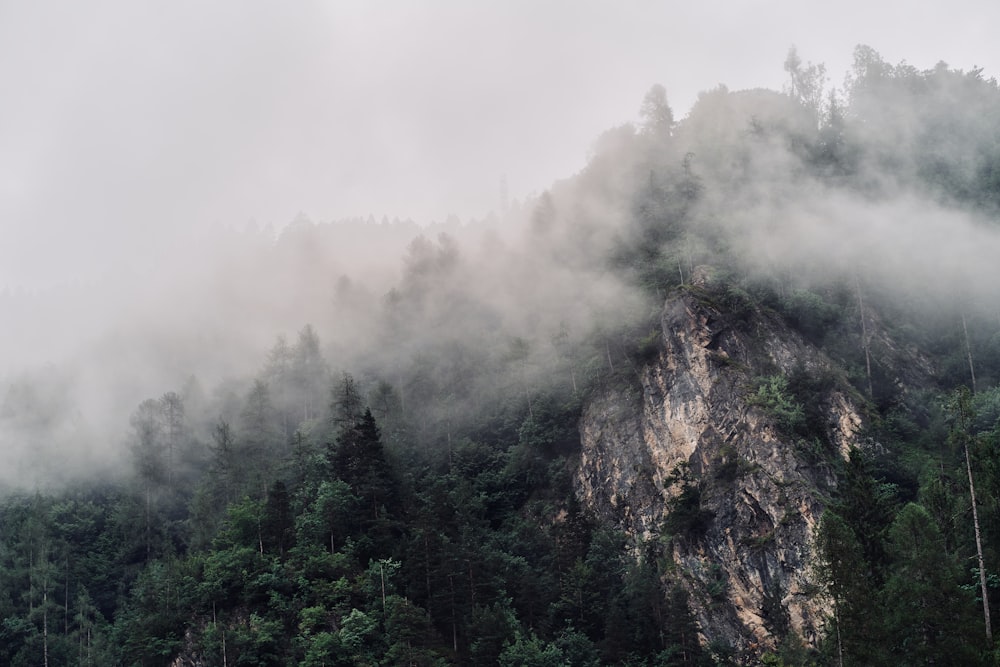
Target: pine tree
{"type": "Point", "coordinates": [359, 460]}
{"type": "Point", "coordinates": [926, 610]}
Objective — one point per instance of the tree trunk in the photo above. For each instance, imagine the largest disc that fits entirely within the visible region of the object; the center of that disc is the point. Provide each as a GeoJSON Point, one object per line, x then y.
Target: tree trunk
{"type": "Point", "coordinates": [454, 620]}
{"type": "Point", "coordinates": [968, 352]}
{"type": "Point", "coordinates": [381, 572]}
{"type": "Point", "coordinates": [427, 567]}
{"type": "Point", "coordinates": [45, 626]}
{"type": "Point", "coordinates": [472, 585]}
{"type": "Point", "coordinates": [979, 547]}
{"type": "Point", "coordinates": [864, 337]}
{"type": "Point", "coordinates": [147, 523]}
{"type": "Point", "coordinates": [66, 601]}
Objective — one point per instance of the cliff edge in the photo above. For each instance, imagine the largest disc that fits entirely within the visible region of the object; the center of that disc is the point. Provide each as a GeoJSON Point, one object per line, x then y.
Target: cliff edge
{"type": "Point", "coordinates": [722, 453]}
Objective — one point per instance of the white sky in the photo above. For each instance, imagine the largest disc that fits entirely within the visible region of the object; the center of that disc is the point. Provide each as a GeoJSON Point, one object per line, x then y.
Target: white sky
{"type": "Point", "coordinates": [126, 125]}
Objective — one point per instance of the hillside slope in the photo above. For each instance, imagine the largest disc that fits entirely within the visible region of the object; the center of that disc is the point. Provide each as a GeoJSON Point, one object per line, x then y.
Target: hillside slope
{"type": "Point", "coordinates": [708, 458]}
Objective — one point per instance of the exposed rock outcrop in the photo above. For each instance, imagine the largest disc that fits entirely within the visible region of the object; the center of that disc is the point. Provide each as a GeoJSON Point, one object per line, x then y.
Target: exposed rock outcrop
{"type": "Point", "coordinates": [762, 486]}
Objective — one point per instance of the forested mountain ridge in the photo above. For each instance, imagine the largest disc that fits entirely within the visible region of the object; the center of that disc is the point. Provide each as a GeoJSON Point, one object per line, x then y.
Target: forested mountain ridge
{"type": "Point", "coordinates": [722, 400]}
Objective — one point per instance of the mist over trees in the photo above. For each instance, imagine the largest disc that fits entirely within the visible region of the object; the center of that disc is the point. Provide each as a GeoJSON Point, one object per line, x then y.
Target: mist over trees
{"type": "Point", "coordinates": [351, 442]}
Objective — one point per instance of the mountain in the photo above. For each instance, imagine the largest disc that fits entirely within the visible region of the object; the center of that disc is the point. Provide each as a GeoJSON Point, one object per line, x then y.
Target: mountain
{"type": "Point", "coordinates": [729, 395]}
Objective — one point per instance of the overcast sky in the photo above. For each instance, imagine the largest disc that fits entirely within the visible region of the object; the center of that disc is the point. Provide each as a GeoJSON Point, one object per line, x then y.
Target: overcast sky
{"type": "Point", "coordinates": [127, 125]}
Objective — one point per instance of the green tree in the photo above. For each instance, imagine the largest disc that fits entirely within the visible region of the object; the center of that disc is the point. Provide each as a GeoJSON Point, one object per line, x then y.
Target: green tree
{"type": "Point", "coordinates": [681, 633]}
{"type": "Point", "coordinates": [961, 408]}
{"type": "Point", "coordinates": [309, 373]}
{"type": "Point", "coordinates": [928, 613]}
{"type": "Point", "coordinates": [148, 459]}
{"type": "Point", "coordinates": [358, 459]}
{"type": "Point", "coordinates": [806, 82]}
{"type": "Point", "coordinates": [410, 635]}
{"type": "Point", "coordinates": [657, 116]}
{"type": "Point", "coordinates": [172, 416]}
{"type": "Point", "coordinates": [89, 629]}
{"type": "Point", "coordinates": [327, 514]}
{"type": "Point", "coordinates": [866, 505]}
{"type": "Point", "coordinates": [530, 651]}
{"type": "Point", "coordinates": [857, 633]}
{"type": "Point", "coordinates": [278, 375]}
{"type": "Point", "coordinates": [347, 405]}
{"type": "Point", "coordinates": [277, 524]}
{"type": "Point", "coordinates": [227, 466]}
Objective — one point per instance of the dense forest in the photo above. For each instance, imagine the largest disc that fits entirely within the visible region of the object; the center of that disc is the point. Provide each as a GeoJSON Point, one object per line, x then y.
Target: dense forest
{"type": "Point", "coordinates": [394, 483]}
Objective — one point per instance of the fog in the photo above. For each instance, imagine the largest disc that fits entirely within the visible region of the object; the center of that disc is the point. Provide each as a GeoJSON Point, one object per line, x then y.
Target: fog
{"type": "Point", "coordinates": [127, 130]}
{"type": "Point", "coordinates": [182, 184]}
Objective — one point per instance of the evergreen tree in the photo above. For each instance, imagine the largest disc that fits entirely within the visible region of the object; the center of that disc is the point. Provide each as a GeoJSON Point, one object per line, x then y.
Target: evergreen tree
{"type": "Point", "coordinates": [308, 373]}
{"type": "Point", "coordinates": [359, 460]}
{"type": "Point", "coordinates": [277, 523]}
{"type": "Point", "coordinates": [928, 615]}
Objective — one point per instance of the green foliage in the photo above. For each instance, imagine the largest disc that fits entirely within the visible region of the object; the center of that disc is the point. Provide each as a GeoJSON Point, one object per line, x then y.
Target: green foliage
{"type": "Point", "coordinates": [686, 516]}
{"type": "Point", "coordinates": [648, 347]}
{"type": "Point", "coordinates": [894, 563]}
{"type": "Point", "coordinates": [577, 648]}
{"type": "Point", "coordinates": [737, 303]}
{"type": "Point", "coordinates": [923, 597]}
{"type": "Point", "coordinates": [791, 653]}
{"type": "Point", "coordinates": [810, 314]}
{"type": "Point", "coordinates": [530, 651]}
{"type": "Point", "coordinates": [773, 395]}
{"type": "Point", "coordinates": [717, 585]}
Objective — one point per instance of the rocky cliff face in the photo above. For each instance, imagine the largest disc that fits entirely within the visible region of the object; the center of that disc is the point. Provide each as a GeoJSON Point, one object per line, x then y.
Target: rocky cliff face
{"type": "Point", "coordinates": [760, 486]}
